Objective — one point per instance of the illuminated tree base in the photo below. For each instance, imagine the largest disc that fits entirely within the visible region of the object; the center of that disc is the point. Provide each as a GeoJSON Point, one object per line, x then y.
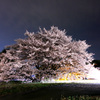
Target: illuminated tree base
{"type": "Point", "coordinates": [72, 81]}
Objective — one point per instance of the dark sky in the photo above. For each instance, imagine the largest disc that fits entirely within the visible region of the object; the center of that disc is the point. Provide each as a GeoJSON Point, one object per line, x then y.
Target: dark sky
{"type": "Point", "coordinates": [80, 18]}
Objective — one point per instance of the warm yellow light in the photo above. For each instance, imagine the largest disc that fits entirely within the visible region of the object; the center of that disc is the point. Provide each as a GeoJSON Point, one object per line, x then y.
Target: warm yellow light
{"type": "Point", "coordinates": [71, 76]}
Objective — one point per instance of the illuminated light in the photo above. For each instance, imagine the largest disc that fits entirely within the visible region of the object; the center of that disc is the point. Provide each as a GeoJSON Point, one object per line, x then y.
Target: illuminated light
{"type": "Point", "coordinates": [93, 76]}
{"type": "Point", "coordinates": [94, 73]}
{"type": "Point", "coordinates": [71, 76]}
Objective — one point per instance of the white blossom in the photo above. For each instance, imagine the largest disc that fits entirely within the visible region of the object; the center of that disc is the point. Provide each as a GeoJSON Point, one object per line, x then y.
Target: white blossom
{"type": "Point", "coordinates": [43, 53]}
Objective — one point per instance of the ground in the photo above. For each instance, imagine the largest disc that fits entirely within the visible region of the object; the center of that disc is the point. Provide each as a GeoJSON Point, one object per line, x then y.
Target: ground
{"type": "Point", "coordinates": [49, 90]}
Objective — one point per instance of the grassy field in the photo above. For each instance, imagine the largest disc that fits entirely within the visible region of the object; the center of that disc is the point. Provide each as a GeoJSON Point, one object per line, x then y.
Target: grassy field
{"type": "Point", "coordinates": [20, 88]}
{"type": "Point", "coordinates": [83, 97]}
{"type": "Point", "coordinates": [48, 91]}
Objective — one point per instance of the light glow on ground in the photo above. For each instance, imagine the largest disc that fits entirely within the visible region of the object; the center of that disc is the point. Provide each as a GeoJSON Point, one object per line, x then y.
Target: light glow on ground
{"type": "Point", "coordinates": [94, 73]}
{"type": "Point", "coordinates": [74, 81]}
{"type": "Point", "coordinates": [92, 77]}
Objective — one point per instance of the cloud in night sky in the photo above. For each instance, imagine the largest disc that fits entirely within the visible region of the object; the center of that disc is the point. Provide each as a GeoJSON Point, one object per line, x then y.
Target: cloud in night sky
{"type": "Point", "coordinates": [80, 18]}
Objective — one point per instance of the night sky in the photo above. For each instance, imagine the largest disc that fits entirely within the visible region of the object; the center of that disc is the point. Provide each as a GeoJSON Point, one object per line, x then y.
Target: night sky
{"type": "Point", "coordinates": [80, 19]}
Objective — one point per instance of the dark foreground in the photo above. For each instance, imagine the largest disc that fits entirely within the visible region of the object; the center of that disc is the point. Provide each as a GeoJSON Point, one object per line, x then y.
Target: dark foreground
{"type": "Point", "coordinates": [61, 91]}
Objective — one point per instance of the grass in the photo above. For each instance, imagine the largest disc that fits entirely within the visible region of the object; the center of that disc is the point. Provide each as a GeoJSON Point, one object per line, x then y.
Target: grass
{"type": "Point", "coordinates": [12, 88]}
{"type": "Point", "coordinates": [17, 88]}
{"type": "Point", "coordinates": [83, 97]}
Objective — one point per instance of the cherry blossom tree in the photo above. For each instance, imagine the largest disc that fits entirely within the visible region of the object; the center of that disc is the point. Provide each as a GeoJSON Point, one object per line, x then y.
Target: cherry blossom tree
{"type": "Point", "coordinates": [44, 54]}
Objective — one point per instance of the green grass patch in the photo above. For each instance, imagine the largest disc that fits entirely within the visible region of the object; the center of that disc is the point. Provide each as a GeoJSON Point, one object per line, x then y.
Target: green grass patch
{"type": "Point", "coordinates": [82, 97]}
{"type": "Point", "coordinates": [17, 88]}
{"type": "Point", "coordinates": [35, 89]}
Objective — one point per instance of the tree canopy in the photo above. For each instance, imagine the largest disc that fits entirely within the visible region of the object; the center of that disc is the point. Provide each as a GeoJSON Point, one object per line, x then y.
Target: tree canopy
{"type": "Point", "coordinates": [44, 54]}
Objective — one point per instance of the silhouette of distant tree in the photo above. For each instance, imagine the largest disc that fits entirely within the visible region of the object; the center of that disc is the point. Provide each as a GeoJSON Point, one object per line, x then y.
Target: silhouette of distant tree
{"type": "Point", "coordinates": [96, 63]}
